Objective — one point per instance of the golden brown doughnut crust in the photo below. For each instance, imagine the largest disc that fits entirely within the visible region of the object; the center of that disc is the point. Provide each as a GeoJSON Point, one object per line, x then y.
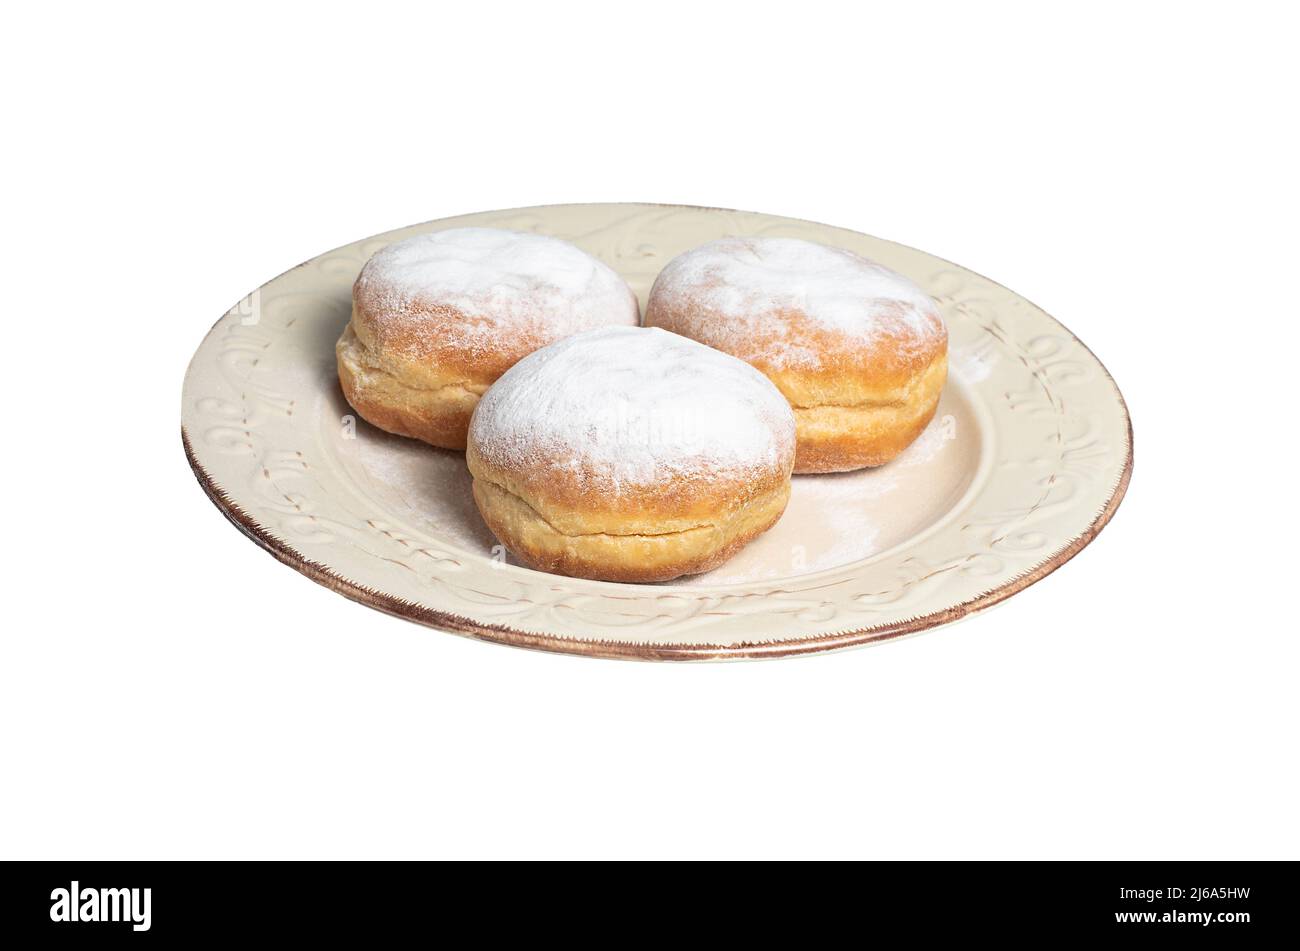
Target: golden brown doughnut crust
{"type": "Point", "coordinates": [407, 366]}
{"type": "Point", "coordinates": [856, 404]}
{"type": "Point", "coordinates": [839, 438]}
{"type": "Point", "coordinates": [438, 415]}
{"type": "Point", "coordinates": [586, 548]}
{"type": "Point", "coordinates": [572, 488]}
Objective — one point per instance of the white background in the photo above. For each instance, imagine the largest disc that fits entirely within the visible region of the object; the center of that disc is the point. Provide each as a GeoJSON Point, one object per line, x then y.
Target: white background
{"type": "Point", "coordinates": [168, 690]}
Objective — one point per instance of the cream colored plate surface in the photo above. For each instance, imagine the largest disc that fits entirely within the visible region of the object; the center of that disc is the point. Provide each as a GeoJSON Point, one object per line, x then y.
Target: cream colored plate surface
{"type": "Point", "coordinates": [1026, 460]}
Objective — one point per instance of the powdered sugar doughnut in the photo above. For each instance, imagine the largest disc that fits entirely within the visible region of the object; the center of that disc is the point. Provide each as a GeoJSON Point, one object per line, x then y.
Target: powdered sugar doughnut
{"type": "Point", "coordinates": [859, 351]}
{"type": "Point", "coordinates": [438, 317]}
{"type": "Point", "coordinates": [630, 454]}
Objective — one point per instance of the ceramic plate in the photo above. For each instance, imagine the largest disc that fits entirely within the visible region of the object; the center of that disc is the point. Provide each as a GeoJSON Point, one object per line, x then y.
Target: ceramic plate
{"type": "Point", "coordinates": [1027, 458]}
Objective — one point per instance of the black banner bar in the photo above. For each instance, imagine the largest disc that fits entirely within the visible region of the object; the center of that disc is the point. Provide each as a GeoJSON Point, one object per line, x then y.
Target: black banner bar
{"type": "Point", "coordinates": [1230, 902]}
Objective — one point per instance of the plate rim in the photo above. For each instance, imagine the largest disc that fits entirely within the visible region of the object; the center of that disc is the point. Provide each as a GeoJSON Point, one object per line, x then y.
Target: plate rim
{"type": "Point", "coordinates": [451, 622]}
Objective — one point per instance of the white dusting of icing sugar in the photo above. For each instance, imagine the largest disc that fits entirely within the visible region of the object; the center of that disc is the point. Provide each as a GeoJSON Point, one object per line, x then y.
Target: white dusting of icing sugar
{"type": "Point", "coordinates": [932, 441]}
{"type": "Point", "coordinates": [628, 407]}
{"type": "Point", "coordinates": [828, 522]}
{"type": "Point", "coordinates": [500, 281]}
{"type": "Point", "coordinates": [744, 283]}
{"type": "Point", "coordinates": [839, 518]}
{"type": "Point", "coordinates": [428, 487]}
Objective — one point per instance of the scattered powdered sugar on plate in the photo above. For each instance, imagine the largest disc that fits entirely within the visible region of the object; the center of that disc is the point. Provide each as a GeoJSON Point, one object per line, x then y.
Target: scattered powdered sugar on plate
{"type": "Point", "coordinates": [831, 520]}
{"type": "Point", "coordinates": [429, 487]}
{"type": "Point", "coordinates": [499, 281]}
{"type": "Point", "coordinates": [974, 361]}
{"type": "Point", "coordinates": [839, 518]}
{"type": "Point", "coordinates": [745, 282]}
{"type": "Point", "coordinates": [941, 431]}
{"type": "Point", "coordinates": [633, 406]}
